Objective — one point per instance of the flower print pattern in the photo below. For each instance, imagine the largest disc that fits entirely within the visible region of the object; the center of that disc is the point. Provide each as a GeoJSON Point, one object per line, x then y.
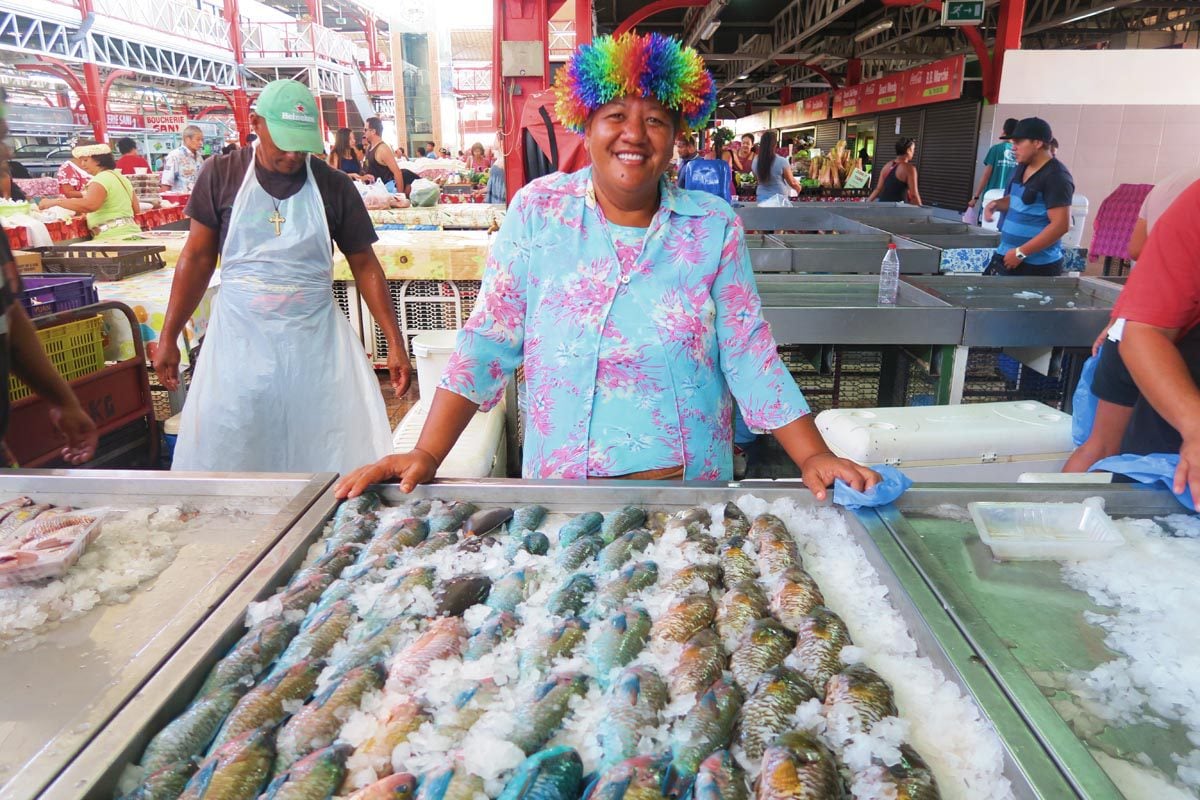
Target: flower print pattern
{"type": "Point", "coordinates": [632, 340]}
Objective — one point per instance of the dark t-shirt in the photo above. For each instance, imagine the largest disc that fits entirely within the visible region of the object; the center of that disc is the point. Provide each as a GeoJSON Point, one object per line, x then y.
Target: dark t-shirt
{"type": "Point", "coordinates": [211, 203]}
{"type": "Point", "coordinates": [9, 284]}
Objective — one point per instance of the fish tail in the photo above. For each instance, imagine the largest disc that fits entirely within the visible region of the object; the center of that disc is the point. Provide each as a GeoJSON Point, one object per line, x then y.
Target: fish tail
{"type": "Point", "coordinates": [677, 784]}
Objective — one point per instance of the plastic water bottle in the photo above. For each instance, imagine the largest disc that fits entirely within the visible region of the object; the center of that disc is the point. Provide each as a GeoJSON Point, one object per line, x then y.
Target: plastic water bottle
{"type": "Point", "coordinates": [889, 277]}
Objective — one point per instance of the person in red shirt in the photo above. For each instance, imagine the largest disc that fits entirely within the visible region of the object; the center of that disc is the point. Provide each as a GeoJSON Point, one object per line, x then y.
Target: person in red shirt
{"type": "Point", "coordinates": [130, 161]}
{"type": "Point", "coordinates": [1161, 341]}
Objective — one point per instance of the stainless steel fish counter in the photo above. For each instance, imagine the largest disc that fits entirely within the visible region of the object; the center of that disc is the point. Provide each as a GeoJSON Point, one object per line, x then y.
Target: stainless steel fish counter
{"type": "Point", "coordinates": [61, 692]}
{"type": "Point", "coordinates": [933, 571]}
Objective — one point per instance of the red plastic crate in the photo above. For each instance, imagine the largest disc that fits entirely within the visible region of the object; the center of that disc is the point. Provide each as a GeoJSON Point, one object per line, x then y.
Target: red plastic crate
{"type": "Point", "coordinates": [18, 238]}
{"type": "Point", "coordinates": [57, 230]}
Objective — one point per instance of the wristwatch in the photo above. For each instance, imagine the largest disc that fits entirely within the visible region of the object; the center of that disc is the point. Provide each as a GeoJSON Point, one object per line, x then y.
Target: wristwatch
{"type": "Point", "coordinates": [1017, 252]}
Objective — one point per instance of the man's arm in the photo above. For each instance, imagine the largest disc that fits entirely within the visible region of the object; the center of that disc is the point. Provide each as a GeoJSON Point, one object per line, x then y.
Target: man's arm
{"type": "Point", "coordinates": [369, 278]}
{"type": "Point", "coordinates": [1162, 375]}
{"type": "Point", "coordinates": [1000, 205]}
{"type": "Point", "coordinates": [1060, 223]}
{"type": "Point", "coordinates": [167, 179]}
{"type": "Point", "coordinates": [1137, 239]}
{"type": "Point", "coordinates": [984, 177]}
{"type": "Point", "coordinates": [193, 272]}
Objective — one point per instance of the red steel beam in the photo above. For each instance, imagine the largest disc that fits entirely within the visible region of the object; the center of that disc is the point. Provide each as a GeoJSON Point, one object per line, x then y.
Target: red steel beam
{"type": "Point", "coordinates": [649, 10]}
{"type": "Point", "coordinates": [1008, 37]}
{"type": "Point", "coordinates": [583, 22]}
{"type": "Point", "coordinates": [240, 101]}
{"type": "Point", "coordinates": [989, 65]}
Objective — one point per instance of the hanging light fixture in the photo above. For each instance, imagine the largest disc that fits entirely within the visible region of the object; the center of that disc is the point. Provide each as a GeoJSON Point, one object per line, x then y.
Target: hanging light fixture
{"type": "Point", "coordinates": [878, 27]}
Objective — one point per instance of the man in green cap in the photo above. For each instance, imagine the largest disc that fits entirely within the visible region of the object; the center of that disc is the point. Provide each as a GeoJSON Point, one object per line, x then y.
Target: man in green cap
{"type": "Point", "coordinates": [282, 384]}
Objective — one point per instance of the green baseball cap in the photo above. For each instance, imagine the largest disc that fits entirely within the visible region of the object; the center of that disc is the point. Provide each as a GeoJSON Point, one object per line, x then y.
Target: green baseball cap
{"type": "Point", "coordinates": [292, 116]}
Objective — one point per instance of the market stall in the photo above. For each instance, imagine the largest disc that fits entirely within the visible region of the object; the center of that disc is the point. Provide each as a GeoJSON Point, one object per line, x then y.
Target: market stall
{"type": "Point", "coordinates": [997, 701]}
{"type": "Point", "coordinates": [465, 216]}
{"type": "Point", "coordinates": [80, 649]}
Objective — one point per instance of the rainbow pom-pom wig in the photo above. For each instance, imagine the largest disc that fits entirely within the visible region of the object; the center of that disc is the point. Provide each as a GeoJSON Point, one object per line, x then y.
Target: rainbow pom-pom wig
{"type": "Point", "coordinates": [645, 66]}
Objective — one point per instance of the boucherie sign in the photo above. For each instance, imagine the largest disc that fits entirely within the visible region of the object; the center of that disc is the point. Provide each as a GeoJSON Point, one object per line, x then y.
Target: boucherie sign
{"type": "Point", "coordinates": [166, 123]}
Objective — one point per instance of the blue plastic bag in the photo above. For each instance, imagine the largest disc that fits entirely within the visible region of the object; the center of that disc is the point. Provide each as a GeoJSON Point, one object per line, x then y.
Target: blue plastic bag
{"type": "Point", "coordinates": [894, 484]}
{"type": "Point", "coordinates": [1156, 468]}
{"type": "Point", "coordinates": [1083, 403]}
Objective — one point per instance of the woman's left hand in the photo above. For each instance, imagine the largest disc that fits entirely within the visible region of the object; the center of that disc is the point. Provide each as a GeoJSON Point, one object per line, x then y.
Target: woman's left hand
{"type": "Point", "coordinates": [820, 471]}
{"type": "Point", "coordinates": [45, 203]}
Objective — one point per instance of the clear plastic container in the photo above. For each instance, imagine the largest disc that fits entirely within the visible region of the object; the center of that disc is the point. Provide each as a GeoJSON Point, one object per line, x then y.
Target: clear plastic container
{"type": "Point", "coordinates": [889, 277]}
{"type": "Point", "coordinates": [1046, 531]}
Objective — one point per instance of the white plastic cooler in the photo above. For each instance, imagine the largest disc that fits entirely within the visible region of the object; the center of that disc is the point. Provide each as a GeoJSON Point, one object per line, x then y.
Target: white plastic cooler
{"type": "Point", "coordinates": [481, 451]}
{"type": "Point", "coordinates": [978, 442]}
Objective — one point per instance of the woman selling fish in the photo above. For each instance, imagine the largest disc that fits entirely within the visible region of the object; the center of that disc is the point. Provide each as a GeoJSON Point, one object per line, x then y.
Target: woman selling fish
{"type": "Point", "coordinates": [630, 302]}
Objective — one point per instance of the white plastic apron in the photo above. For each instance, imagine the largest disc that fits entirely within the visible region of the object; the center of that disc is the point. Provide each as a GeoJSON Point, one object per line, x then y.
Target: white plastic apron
{"type": "Point", "coordinates": [282, 385]}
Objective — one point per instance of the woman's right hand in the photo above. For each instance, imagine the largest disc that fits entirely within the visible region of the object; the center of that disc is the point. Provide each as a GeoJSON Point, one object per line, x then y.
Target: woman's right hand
{"type": "Point", "coordinates": [412, 468]}
{"type": "Point", "coordinates": [972, 203]}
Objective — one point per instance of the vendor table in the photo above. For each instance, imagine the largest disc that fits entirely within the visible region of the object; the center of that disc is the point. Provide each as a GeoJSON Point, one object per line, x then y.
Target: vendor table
{"type": "Point", "coordinates": [405, 255]}
{"type": "Point", "coordinates": [62, 692]}
{"type": "Point", "coordinates": [464, 216]}
{"type": "Point", "coordinates": [94, 773]}
{"type": "Point", "coordinates": [147, 294]}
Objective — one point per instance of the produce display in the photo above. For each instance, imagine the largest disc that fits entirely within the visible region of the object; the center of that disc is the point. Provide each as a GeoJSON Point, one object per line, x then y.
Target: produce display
{"type": "Point", "coordinates": [832, 169]}
{"type": "Point", "coordinates": [441, 651]}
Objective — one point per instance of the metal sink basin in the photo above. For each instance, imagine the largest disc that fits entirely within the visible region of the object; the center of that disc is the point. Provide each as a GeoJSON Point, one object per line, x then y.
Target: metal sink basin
{"type": "Point", "coordinates": [967, 240]}
{"type": "Point", "coordinates": [768, 254]}
{"type": "Point", "coordinates": [843, 309]}
{"type": "Point", "coordinates": [1066, 312]}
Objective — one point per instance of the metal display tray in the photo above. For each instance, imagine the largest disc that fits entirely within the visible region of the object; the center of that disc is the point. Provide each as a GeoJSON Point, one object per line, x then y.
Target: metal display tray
{"type": "Point", "coordinates": [996, 317]}
{"type": "Point", "coordinates": [844, 309]}
{"type": "Point", "coordinates": [95, 772]}
{"type": "Point", "coordinates": [61, 693]}
{"type": "Point", "coordinates": [1027, 625]}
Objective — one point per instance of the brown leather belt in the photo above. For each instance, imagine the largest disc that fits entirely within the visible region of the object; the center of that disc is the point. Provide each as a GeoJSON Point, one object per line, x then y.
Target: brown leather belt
{"type": "Point", "coordinates": [662, 474]}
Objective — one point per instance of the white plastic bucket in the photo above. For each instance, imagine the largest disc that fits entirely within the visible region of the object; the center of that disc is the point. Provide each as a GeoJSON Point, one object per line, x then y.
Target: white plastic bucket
{"type": "Point", "coordinates": [432, 349]}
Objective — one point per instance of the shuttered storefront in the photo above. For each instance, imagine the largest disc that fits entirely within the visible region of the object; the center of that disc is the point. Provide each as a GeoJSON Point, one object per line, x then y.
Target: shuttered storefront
{"type": "Point", "coordinates": [827, 134]}
{"type": "Point", "coordinates": [946, 152]}
{"type": "Point", "coordinates": [886, 138]}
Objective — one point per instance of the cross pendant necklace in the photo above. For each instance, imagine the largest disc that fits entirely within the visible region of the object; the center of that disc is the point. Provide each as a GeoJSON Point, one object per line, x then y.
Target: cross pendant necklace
{"type": "Point", "coordinates": [277, 220]}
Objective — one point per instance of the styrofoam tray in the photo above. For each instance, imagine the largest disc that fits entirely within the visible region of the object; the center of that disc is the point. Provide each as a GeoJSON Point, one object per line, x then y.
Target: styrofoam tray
{"type": "Point", "coordinates": [26, 565]}
{"type": "Point", "coordinates": [1046, 531]}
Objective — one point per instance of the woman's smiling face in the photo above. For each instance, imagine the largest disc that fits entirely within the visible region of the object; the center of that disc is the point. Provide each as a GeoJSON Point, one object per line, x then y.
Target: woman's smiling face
{"type": "Point", "coordinates": [630, 141]}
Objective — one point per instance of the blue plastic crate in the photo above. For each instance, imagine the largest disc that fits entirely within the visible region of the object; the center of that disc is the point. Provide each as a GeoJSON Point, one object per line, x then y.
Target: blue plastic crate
{"type": "Point", "coordinates": [50, 294]}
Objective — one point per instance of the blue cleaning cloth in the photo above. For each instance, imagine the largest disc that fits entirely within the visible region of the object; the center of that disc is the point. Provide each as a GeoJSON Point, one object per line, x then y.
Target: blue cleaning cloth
{"type": "Point", "coordinates": [894, 484]}
{"type": "Point", "coordinates": [1156, 468]}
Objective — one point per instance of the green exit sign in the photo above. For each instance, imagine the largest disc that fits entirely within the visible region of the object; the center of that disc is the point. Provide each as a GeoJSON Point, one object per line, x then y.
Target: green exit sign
{"type": "Point", "coordinates": [962, 12]}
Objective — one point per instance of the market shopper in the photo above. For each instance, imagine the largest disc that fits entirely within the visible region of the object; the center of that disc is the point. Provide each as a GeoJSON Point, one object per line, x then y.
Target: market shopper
{"type": "Point", "coordinates": [181, 167]}
{"type": "Point", "coordinates": [379, 162]}
{"type": "Point", "coordinates": [1160, 343]}
{"type": "Point", "coordinates": [1036, 207]}
{"type": "Point", "coordinates": [898, 181]}
{"type": "Point", "coordinates": [478, 161]}
{"type": "Point", "coordinates": [1115, 391]}
{"type": "Point", "coordinates": [282, 384]}
{"type": "Point", "coordinates": [774, 174]}
{"type": "Point", "coordinates": [630, 303]}
{"type": "Point", "coordinates": [998, 165]}
{"type": "Point", "coordinates": [344, 156]}
{"type": "Point", "coordinates": [108, 200]}
{"type": "Point", "coordinates": [21, 353]}
{"type": "Point", "coordinates": [131, 160]}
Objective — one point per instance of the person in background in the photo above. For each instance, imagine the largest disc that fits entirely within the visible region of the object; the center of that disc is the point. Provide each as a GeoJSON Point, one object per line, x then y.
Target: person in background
{"type": "Point", "coordinates": [108, 200]}
{"type": "Point", "coordinates": [401, 154]}
{"type": "Point", "coordinates": [631, 303]}
{"type": "Point", "coordinates": [1160, 343]}
{"type": "Point", "coordinates": [379, 162]}
{"type": "Point", "coordinates": [497, 189]}
{"type": "Point", "coordinates": [1113, 386]}
{"type": "Point", "coordinates": [182, 165]}
{"type": "Point", "coordinates": [21, 353]}
{"type": "Point", "coordinates": [740, 156]}
{"type": "Point", "coordinates": [343, 156]}
{"type": "Point", "coordinates": [8, 187]}
{"type": "Point", "coordinates": [898, 181]}
{"type": "Point", "coordinates": [998, 165]}
{"type": "Point", "coordinates": [131, 160]}
{"type": "Point", "coordinates": [773, 173]}
{"type": "Point", "coordinates": [444, 153]}
{"type": "Point", "coordinates": [478, 160]}
{"type": "Point", "coordinates": [420, 151]}
{"type": "Point", "coordinates": [686, 145]}
{"type": "Point", "coordinates": [283, 385]}
{"type": "Point", "coordinates": [1036, 206]}
{"type": "Point", "coordinates": [72, 178]}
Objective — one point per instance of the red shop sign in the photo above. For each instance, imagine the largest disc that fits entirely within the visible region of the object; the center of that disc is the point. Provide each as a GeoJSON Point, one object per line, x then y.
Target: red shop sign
{"type": "Point", "coordinates": [932, 83]}
{"type": "Point", "coordinates": [846, 101]}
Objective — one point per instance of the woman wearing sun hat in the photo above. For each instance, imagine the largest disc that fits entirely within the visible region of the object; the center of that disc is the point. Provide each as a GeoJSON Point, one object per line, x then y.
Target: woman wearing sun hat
{"type": "Point", "coordinates": [630, 302]}
{"type": "Point", "coordinates": [108, 200]}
